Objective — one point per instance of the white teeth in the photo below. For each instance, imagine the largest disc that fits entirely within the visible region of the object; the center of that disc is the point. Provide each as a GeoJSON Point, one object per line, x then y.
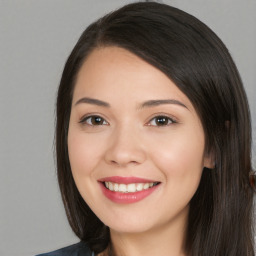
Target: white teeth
{"type": "Point", "coordinates": [139, 187]}
{"type": "Point", "coordinates": [146, 186]}
{"type": "Point", "coordinates": [122, 188]}
{"type": "Point", "coordinates": [110, 186]}
{"type": "Point", "coordinates": [129, 188]}
{"type": "Point", "coordinates": [116, 187]}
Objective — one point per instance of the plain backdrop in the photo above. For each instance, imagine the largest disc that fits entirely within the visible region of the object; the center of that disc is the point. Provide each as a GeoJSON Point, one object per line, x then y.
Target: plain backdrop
{"type": "Point", "coordinates": [36, 37]}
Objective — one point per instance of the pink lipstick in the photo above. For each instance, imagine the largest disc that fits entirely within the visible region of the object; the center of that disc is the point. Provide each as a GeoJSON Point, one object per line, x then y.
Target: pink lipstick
{"type": "Point", "coordinates": [127, 190]}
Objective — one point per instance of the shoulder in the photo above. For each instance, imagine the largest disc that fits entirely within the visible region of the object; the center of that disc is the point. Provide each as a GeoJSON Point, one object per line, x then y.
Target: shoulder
{"type": "Point", "coordinates": [78, 249]}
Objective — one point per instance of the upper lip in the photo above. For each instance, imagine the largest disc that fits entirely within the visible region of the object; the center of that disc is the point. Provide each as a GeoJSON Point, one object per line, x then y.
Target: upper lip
{"type": "Point", "coordinates": [125, 180]}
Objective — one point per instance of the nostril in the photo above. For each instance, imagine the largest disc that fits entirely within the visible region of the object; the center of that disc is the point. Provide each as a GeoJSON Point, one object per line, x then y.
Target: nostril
{"type": "Point", "coordinates": [123, 163]}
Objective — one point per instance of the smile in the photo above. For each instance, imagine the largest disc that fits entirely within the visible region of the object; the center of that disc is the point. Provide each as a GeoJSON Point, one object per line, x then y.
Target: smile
{"type": "Point", "coordinates": [128, 188]}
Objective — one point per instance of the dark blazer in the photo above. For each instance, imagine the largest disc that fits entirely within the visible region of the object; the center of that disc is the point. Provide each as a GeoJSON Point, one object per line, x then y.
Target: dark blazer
{"type": "Point", "coordinates": [79, 249]}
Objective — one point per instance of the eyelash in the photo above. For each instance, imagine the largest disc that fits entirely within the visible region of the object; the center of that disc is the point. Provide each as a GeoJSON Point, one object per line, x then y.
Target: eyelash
{"type": "Point", "coordinates": [102, 121]}
{"type": "Point", "coordinates": [84, 120]}
{"type": "Point", "coordinates": [169, 120]}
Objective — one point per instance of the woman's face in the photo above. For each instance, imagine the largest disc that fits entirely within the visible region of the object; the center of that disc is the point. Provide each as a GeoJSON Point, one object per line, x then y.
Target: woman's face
{"type": "Point", "coordinates": [136, 144]}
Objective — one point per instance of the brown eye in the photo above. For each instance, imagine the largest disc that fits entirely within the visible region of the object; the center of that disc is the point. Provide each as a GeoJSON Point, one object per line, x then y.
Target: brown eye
{"type": "Point", "coordinates": [161, 121]}
{"type": "Point", "coordinates": [94, 120]}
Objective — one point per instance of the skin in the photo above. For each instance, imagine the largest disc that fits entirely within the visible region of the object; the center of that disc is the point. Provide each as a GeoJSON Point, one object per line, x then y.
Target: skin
{"type": "Point", "coordinates": [130, 142]}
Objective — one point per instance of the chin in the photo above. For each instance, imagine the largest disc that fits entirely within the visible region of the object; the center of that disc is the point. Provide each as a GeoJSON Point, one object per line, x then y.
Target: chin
{"type": "Point", "coordinates": [131, 224]}
{"type": "Point", "coordinates": [130, 228]}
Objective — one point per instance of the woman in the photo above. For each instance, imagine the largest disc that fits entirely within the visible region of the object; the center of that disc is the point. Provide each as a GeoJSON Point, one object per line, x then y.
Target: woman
{"type": "Point", "coordinates": [153, 139]}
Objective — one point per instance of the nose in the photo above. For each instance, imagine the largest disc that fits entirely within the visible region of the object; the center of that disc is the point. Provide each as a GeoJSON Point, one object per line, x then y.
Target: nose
{"type": "Point", "coordinates": [125, 148]}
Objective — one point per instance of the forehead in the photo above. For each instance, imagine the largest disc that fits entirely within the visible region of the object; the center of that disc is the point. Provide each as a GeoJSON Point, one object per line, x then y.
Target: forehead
{"type": "Point", "coordinates": [112, 71]}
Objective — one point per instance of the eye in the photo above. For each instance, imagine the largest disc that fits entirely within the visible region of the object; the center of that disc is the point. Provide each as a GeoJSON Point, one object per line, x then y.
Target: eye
{"type": "Point", "coordinates": [161, 121]}
{"type": "Point", "coordinates": [94, 121]}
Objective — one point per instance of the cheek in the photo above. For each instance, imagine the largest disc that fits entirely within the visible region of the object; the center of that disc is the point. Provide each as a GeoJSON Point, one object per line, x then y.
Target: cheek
{"type": "Point", "coordinates": [180, 152]}
{"type": "Point", "coordinates": [180, 159]}
{"type": "Point", "coordinates": [83, 154]}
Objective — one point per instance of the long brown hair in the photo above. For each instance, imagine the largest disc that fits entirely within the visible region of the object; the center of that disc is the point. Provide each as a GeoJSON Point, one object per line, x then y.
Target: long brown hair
{"type": "Point", "coordinates": [196, 60]}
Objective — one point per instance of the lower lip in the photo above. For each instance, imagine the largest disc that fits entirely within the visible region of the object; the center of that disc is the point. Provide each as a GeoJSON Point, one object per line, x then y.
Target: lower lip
{"type": "Point", "coordinates": [126, 198]}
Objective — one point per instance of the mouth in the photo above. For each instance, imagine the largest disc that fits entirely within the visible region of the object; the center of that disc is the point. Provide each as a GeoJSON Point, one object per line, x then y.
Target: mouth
{"type": "Point", "coordinates": [129, 188]}
{"type": "Point", "coordinates": [126, 190]}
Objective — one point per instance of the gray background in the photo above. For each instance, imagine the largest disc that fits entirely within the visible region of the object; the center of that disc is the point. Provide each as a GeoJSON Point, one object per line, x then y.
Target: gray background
{"type": "Point", "coordinates": [35, 40]}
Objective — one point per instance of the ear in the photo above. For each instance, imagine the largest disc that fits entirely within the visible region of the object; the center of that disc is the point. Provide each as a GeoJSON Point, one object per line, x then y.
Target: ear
{"type": "Point", "coordinates": [209, 160]}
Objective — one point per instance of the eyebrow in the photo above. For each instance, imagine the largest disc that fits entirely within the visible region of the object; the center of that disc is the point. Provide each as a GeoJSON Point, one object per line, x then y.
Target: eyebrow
{"type": "Point", "coordinates": [93, 101]}
{"type": "Point", "coordinates": [153, 103]}
{"type": "Point", "coordinates": [149, 103]}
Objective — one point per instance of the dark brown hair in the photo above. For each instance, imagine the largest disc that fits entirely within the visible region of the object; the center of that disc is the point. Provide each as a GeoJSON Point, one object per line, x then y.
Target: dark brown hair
{"type": "Point", "coordinates": [196, 60]}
